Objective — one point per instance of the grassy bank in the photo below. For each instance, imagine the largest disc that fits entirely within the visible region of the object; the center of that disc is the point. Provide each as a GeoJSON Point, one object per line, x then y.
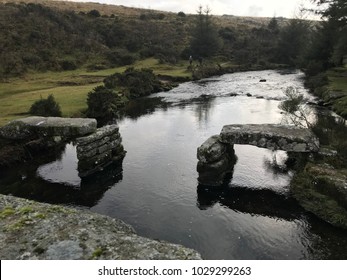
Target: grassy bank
{"type": "Point", "coordinates": [320, 184]}
{"type": "Point", "coordinates": [70, 88]}
{"type": "Point", "coordinates": [338, 88]}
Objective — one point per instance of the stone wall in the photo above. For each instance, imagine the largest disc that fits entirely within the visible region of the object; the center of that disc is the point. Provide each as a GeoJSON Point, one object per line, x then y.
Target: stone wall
{"type": "Point", "coordinates": [100, 149]}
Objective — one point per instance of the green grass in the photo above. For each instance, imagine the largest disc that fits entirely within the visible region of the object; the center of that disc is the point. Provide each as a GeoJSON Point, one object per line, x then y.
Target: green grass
{"type": "Point", "coordinates": [338, 79]}
{"type": "Point", "coordinates": [70, 88]}
{"type": "Point", "coordinates": [338, 82]}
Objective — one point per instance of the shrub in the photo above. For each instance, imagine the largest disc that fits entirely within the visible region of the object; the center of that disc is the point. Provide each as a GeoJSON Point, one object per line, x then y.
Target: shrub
{"type": "Point", "coordinates": [139, 82]}
{"type": "Point", "coordinates": [314, 68]}
{"type": "Point", "coordinates": [68, 64]}
{"type": "Point", "coordinates": [121, 57]}
{"type": "Point", "coordinates": [181, 14]}
{"type": "Point", "coordinates": [316, 81]}
{"type": "Point", "coordinates": [102, 103]}
{"type": "Point", "coordinates": [94, 13]}
{"type": "Point", "coordinates": [46, 107]}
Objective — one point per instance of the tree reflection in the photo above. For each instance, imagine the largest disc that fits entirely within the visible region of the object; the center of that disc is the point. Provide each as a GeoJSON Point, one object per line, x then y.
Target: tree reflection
{"type": "Point", "coordinates": [255, 202]}
{"type": "Point", "coordinates": [203, 108]}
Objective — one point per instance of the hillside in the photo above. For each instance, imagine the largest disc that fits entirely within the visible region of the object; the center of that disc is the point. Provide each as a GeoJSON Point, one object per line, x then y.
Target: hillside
{"type": "Point", "coordinates": [57, 35]}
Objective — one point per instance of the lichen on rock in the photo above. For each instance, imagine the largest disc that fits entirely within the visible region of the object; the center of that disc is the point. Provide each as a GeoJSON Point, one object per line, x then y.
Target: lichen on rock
{"type": "Point", "coordinates": [33, 230]}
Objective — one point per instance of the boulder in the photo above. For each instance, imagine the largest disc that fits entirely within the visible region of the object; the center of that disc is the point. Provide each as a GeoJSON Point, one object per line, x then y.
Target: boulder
{"type": "Point", "coordinates": [211, 150]}
{"type": "Point", "coordinates": [322, 190]}
{"type": "Point", "coordinates": [32, 230]}
{"type": "Point", "coordinates": [216, 161]}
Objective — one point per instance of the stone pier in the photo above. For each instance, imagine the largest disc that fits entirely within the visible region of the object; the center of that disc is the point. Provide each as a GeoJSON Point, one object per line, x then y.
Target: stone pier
{"type": "Point", "coordinates": [100, 149]}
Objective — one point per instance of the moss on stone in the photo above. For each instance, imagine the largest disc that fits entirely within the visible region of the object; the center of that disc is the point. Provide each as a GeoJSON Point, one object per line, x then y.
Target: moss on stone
{"type": "Point", "coordinates": [7, 211]}
{"type": "Point", "coordinates": [317, 189]}
{"type": "Point", "coordinates": [98, 252]}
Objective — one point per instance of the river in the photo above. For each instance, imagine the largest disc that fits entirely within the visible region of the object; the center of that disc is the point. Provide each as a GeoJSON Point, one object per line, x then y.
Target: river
{"type": "Point", "coordinates": [157, 191]}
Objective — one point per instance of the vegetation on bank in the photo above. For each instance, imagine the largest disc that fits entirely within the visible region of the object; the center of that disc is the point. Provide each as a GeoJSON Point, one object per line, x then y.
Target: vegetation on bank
{"type": "Point", "coordinates": [70, 88]}
{"type": "Point", "coordinates": [319, 183]}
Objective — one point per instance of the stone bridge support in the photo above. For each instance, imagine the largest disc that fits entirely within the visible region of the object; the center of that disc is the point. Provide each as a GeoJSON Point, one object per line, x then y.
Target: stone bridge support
{"type": "Point", "coordinates": [100, 149]}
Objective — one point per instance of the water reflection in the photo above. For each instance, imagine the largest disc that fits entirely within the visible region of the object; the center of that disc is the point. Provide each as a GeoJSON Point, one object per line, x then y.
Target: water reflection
{"type": "Point", "coordinates": [57, 182]}
{"type": "Point", "coordinates": [142, 106]}
{"type": "Point", "coordinates": [87, 194]}
{"type": "Point", "coordinates": [204, 105]}
{"type": "Point", "coordinates": [262, 202]}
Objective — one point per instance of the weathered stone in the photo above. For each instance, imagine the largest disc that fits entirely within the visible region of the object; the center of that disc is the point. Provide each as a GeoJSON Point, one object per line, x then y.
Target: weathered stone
{"type": "Point", "coordinates": [97, 151]}
{"type": "Point", "coordinates": [322, 190]}
{"type": "Point", "coordinates": [271, 136]}
{"type": "Point", "coordinates": [86, 168]}
{"type": "Point", "coordinates": [99, 134]}
{"type": "Point", "coordinates": [215, 167]}
{"type": "Point", "coordinates": [87, 151]}
{"type": "Point", "coordinates": [211, 150]}
{"type": "Point", "coordinates": [36, 127]}
{"type": "Point", "coordinates": [100, 160]}
{"type": "Point", "coordinates": [32, 230]}
{"type": "Point", "coordinates": [217, 157]}
{"type": "Point", "coordinates": [65, 250]}
{"type": "Point", "coordinates": [216, 173]}
{"type": "Point", "coordinates": [333, 182]}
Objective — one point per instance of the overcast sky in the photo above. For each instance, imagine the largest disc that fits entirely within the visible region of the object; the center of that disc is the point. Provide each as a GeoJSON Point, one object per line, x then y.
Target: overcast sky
{"type": "Point", "coordinates": [260, 8]}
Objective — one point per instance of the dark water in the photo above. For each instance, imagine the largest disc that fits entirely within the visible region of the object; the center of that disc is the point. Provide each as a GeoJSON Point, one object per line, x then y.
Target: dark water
{"type": "Point", "coordinates": [157, 191]}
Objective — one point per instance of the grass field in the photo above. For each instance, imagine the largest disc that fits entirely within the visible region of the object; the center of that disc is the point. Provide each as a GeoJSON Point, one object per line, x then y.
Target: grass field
{"type": "Point", "coordinates": [70, 88]}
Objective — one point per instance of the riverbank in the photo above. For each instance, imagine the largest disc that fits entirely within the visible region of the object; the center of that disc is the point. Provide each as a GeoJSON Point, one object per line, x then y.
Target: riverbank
{"type": "Point", "coordinates": [70, 88]}
{"type": "Point", "coordinates": [331, 88]}
{"type": "Point", "coordinates": [320, 185]}
{"type": "Point", "coordinates": [33, 230]}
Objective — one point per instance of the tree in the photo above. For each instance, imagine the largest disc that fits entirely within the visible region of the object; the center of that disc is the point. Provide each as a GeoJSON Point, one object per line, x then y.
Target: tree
{"type": "Point", "coordinates": [332, 10]}
{"type": "Point", "coordinates": [295, 110]}
{"type": "Point", "coordinates": [293, 42]}
{"type": "Point", "coordinates": [205, 39]}
{"type": "Point", "coordinates": [334, 31]}
{"type": "Point", "coordinates": [273, 26]}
